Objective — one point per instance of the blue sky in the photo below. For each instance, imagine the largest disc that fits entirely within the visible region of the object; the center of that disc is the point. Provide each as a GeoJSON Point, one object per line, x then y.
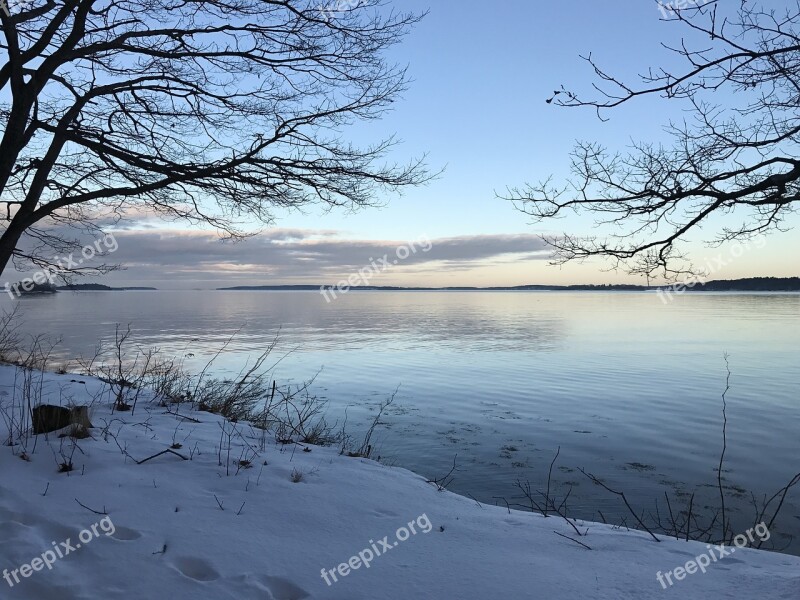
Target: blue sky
{"type": "Point", "coordinates": [477, 105]}
{"type": "Point", "coordinates": [481, 72]}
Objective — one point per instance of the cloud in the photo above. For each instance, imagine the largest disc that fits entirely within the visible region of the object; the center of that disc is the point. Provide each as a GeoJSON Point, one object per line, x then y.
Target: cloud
{"type": "Point", "coordinates": [284, 255]}
{"type": "Point", "coordinates": [287, 250]}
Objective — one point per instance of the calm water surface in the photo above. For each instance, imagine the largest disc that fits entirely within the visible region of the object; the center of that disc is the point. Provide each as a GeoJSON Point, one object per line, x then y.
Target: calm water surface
{"type": "Point", "coordinates": [628, 387]}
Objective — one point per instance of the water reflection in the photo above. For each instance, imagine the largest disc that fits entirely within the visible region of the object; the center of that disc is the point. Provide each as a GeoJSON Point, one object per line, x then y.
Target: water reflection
{"type": "Point", "coordinates": [628, 387]}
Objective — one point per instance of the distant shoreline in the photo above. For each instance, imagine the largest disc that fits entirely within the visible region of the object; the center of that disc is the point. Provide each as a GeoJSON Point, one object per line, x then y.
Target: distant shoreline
{"type": "Point", "coordinates": [97, 287]}
{"type": "Point", "coordinates": [752, 284]}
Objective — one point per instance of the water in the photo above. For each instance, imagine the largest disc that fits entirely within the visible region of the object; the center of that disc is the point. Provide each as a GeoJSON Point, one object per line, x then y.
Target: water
{"type": "Point", "coordinates": [627, 387]}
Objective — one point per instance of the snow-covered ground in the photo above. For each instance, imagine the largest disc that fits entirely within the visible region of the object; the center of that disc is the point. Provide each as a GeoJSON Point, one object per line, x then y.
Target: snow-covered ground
{"type": "Point", "coordinates": [206, 528]}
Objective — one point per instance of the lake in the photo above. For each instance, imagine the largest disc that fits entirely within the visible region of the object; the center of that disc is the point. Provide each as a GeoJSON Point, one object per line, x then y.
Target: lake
{"type": "Point", "coordinates": [628, 387]}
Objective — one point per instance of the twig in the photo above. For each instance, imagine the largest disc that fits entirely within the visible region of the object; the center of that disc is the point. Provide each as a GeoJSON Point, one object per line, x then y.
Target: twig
{"type": "Point", "coordinates": [724, 447]}
{"type": "Point", "coordinates": [476, 501]}
{"type": "Point", "coordinates": [441, 483]}
{"type": "Point", "coordinates": [167, 451]}
{"type": "Point", "coordinates": [785, 490]}
{"type": "Point", "coordinates": [624, 499]}
{"type": "Point", "coordinates": [671, 516]}
{"type": "Point", "coordinates": [573, 539]}
{"type": "Point", "coordinates": [549, 476]}
{"type": "Point", "coordinates": [508, 506]}
{"type": "Point", "coordinates": [97, 512]}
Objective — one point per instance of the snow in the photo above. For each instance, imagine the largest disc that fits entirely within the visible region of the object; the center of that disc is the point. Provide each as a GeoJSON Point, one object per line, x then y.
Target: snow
{"type": "Point", "coordinates": [273, 536]}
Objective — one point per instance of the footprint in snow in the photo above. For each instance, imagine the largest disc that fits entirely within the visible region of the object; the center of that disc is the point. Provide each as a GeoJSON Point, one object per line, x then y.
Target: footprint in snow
{"type": "Point", "coordinates": [125, 535]}
{"type": "Point", "coordinates": [195, 568]}
{"type": "Point", "coordinates": [11, 531]}
{"type": "Point", "coordinates": [275, 588]}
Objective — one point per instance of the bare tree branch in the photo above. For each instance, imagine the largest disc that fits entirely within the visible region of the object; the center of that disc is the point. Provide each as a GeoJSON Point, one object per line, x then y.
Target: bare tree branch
{"type": "Point", "coordinates": [740, 159]}
{"type": "Point", "coordinates": [214, 112]}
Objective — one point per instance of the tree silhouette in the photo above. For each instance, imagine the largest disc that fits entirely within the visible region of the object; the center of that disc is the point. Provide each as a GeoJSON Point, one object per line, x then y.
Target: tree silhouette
{"type": "Point", "coordinates": [213, 112]}
{"type": "Point", "coordinates": [736, 155]}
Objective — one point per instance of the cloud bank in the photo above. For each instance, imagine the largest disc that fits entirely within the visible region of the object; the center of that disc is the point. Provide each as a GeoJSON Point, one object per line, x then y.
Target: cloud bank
{"type": "Point", "coordinates": [183, 258]}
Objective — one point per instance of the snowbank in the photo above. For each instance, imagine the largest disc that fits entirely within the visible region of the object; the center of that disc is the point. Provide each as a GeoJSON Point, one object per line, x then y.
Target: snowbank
{"type": "Point", "coordinates": [196, 529]}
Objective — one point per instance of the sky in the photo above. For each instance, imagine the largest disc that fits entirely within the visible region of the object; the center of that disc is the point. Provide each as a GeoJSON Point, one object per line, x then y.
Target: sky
{"type": "Point", "coordinates": [481, 73]}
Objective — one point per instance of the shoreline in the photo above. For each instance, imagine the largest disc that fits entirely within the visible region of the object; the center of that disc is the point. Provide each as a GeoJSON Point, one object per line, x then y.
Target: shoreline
{"type": "Point", "coordinates": [206, 527]}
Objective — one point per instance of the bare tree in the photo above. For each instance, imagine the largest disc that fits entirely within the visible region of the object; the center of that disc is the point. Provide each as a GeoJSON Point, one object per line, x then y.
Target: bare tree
{"type": "Point", "coordinates": [735, 155]}
{"type": "Point", "coordinates": [213, 112]}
